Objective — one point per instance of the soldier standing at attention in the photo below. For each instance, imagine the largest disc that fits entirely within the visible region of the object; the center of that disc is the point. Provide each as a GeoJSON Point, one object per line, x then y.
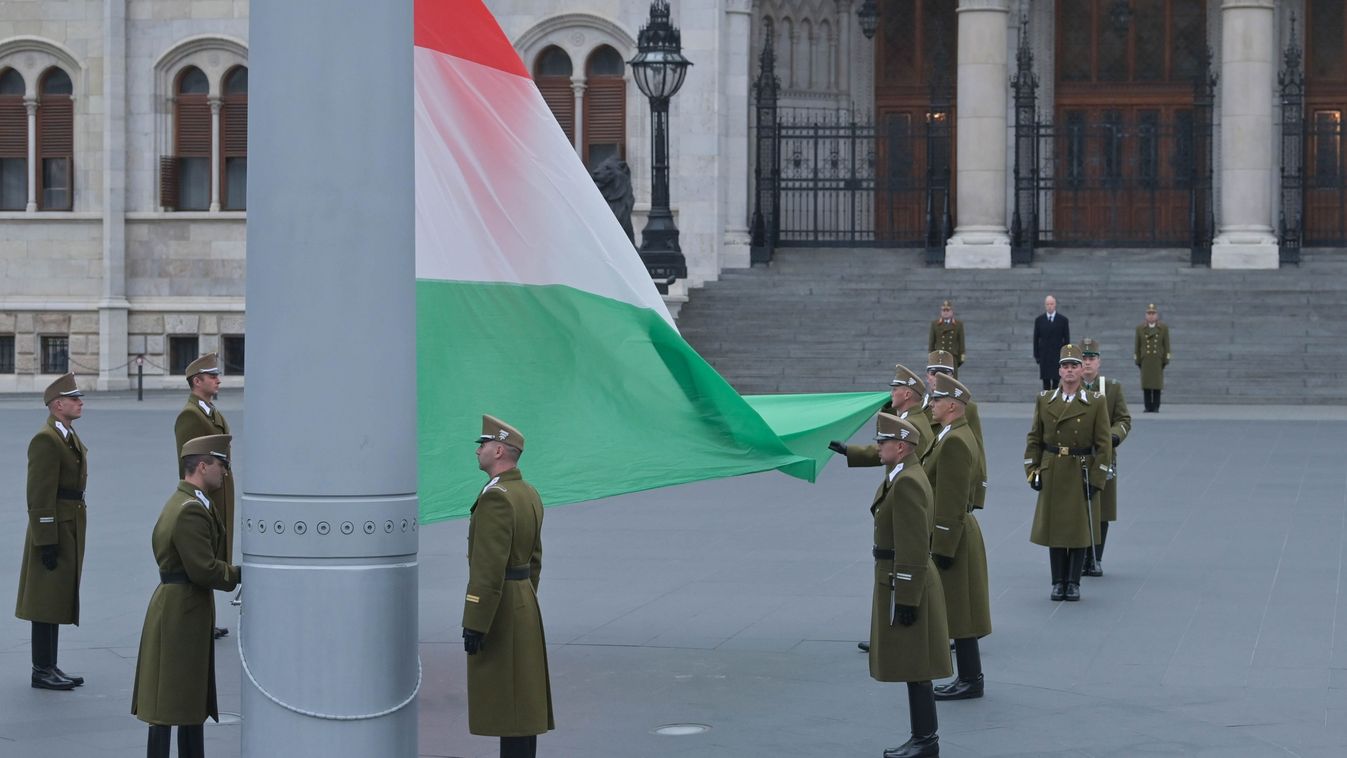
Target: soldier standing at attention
{"type": "Point", "coordinates": [53, 550]}
{"type": "Point", "coordinates": [941, 362]}
{"type": "Point", "coordinates": [1120, 423]}
{"type": "Point", "coordinates": [947, 334]}
{"type": "Point", "coordinates": [1151, 354]}
{"type": "Point", "coordinates": [953, 467]}
{"type": "Point", "coordinates": [509, 692]}
{"type": "Point", "coordinates": [909, 634]}
{"type": "Point", "coordinates": [1051, 331]}
{"type": "Point", "coordinates": [200, 418]}
{"type": "Point", "coordinates": [175, 669]}
{"type": "Point", "coordinates": [1067, 451]}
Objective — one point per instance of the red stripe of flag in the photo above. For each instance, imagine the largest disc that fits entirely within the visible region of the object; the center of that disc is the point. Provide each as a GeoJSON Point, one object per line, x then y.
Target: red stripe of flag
{"type": "Point", "coordinates": [466, 29]}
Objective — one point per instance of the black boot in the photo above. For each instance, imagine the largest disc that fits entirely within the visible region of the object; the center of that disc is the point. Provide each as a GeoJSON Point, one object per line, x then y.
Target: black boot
{"type": "Point", "coordinates": [1058, 563]}
{"type": "Point", "coordinates": [158, 744]}
{"type": "Point", "coordinates": [55, 653]}
{"type": "Point", "coordinates": [44, 660]}
{"type": "Point", "coordinates": [864, 647]}
{"type": "Point", "coordinates": [969, 685]}
{"type": "Point", "coordinates": [921, 713]}
{"type": "Point", "coordinates": [1098, 558]}
{"type": "Point", "coordinates": [518, 747]}
{"type": "Point", "coordinates": [1077, 556]}
{"type": "Point", "coordinates": [1157, 401]}
{"type": "Point", "coordinates": [191, 741]}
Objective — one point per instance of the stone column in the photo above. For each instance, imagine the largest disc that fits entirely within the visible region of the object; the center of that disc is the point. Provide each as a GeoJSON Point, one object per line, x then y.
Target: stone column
{"type": "Point", "coordinates": [113, 306]}
{"type": "Point", "coordinates": [981, 239]}
{"type": "Point", "coordinates": [735, 144]}
{"type": "Point", "coordinates": [30, 105]}
{"type": "Point", "coordinates": [578, 89]}
{"type": "Point", "coordinates": [216, 102]}
{"type": "Point", "coordinates": [1248, 73]}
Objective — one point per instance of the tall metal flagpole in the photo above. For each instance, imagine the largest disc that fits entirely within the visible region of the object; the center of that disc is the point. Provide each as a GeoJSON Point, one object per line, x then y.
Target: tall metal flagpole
{"type": "Point", "coordinates": [328, 632]}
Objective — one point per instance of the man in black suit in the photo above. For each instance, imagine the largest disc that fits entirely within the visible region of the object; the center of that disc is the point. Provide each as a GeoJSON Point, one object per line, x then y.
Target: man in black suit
{"type": "Point", "coordinates": [1051, 332]}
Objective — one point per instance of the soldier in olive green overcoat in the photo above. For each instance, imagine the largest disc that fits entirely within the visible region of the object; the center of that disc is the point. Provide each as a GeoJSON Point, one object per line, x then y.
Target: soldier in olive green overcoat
{"type": "Point", "coordinates": [509, 689]}
{"type": "Point", "coordinates": [1151, 353]}
{"type": "Point", "coordinates": [942, 362]}
{"type": "Point", "coordinates": [906, 401]}
{"type": "Point", "coordinates": [1068, 447]}
{"type": "Point", "coordinates": [200, 418]}
{"type": "Point", "coordinates": [175, 668]}
{"type": "Point", "coordinates": [1120, 424]}
{"type": "Point", "coordinates": [53, 548]}
{"type": "Point", "coordinates": [909, 633]}
{"type": "Point", "coordinates": [953, 465]}
{"type": "Point", "coordinates": [947, 334]}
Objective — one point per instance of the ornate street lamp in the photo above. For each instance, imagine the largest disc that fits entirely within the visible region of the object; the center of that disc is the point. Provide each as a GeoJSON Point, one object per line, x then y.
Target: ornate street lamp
{"type": "Point", "coordinates": [659, 68]}
{"type": "Point", "coordinates": [868, 14]}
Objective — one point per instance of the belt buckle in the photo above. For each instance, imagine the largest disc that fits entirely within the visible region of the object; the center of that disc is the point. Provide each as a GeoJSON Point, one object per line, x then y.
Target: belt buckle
{"type": "Point", "coordinates": [1063, 452]}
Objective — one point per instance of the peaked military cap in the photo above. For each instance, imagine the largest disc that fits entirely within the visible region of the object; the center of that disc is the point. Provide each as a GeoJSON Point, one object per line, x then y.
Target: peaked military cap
{"type": "Point", "coordinates": [1089, 347]}
{"type": "Point", "coordinates": [947, 304]}
{"type": "Point", "coordinates": [206, 364]}
{"type": "Point", "coordinates": [1151, 308]}
{"type": "Point", "coordinates": [891, 427]}
{"type": "Point", "coordinates": [906, 377]}
{"type": "Point", "coordinates": [948, 386]}
{"type": "Point", "coordinates": [495, 430]}
{"type": "Point", "coordinates": [63, 387]}
{"type": "Point", "coordinates": [940, 359]}
{"type": "Point", "coordinates": [213, 444]}
{"type": "Point", "coordinates": [1070, 354]}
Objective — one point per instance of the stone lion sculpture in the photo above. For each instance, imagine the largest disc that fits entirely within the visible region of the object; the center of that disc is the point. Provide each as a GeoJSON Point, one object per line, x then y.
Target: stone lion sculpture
{"type": "Point", "coordinates": [613, 178]}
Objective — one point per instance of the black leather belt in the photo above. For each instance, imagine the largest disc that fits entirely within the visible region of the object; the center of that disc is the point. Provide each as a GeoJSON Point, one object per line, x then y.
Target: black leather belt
{"type": "Point", "coordinates": [515, 573]}
{"type": "Point", "coordinates": [65, 494]}
{"type": "Point", "coordinates": [881, 554]}
{"type": "Point", "coordinates": [1068, 450]}
{"type": "Point", "coordinates": [173, 577]}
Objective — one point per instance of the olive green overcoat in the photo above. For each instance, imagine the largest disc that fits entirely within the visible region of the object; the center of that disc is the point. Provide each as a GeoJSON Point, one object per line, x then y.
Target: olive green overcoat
{"type": "Point", "coordinates": [1151, 354]}
{"type": "Point", "coordinates": [1061, 518]}
{"type": "Point", "coordinates": [975, 423]}
{"type": "Point", "coordinates": [947, 337]}
{"type": "Point", "coordinates": [1120, 423]}
{"type": "Point", "coordinates": [904, 513]}
{"type": "Point", "coordinates": [55, 462]}
{"type": "Point", "coordinates": [868, 455]}
{"type": "Point", "coordinates": [953, 467]}
{"type": "Point", "coordinates": [175, 669]}
{"type": "Point", "coordinates": [509, 690]}
{"type": "Point", "coordinates": [199, 418]}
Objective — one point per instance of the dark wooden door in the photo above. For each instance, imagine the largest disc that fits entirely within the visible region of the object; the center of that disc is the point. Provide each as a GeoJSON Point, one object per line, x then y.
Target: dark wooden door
{"type": "Point", "coordinates": [1325, 104]}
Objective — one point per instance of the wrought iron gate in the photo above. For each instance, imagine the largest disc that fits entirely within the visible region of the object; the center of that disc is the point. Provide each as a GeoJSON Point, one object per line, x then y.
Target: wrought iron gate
{"type": "Point", "coordinates": [827, 178]}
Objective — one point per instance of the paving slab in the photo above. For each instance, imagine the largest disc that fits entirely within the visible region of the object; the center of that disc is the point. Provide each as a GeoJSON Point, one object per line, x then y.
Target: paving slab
{"type": "Point", "coordinates": [1218, 629]}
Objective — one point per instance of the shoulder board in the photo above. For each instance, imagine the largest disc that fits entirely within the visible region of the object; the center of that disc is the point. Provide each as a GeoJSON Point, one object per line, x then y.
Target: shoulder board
{"type": "Point", "coordinates": [1043, 393]}
{"type": "Point", "coordinates": [497, 488]}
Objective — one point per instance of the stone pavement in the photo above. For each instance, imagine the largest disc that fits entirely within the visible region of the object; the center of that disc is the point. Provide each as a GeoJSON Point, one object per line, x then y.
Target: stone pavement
{"type": "Point", "coordinates": [737, 604]}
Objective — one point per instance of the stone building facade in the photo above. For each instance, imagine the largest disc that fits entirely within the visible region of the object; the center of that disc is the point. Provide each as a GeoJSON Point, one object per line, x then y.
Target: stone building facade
{"type": "Point", "coordinates": [906, 137]}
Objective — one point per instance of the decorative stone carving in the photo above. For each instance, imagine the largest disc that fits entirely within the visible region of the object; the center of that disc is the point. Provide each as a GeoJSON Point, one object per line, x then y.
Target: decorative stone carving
{"type": "Point", "coordinates": [613, 178]}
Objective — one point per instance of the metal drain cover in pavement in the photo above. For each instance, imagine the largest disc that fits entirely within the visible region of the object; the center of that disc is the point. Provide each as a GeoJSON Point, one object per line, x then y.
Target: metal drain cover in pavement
{"type": "Point", "coordinates": [677, 730]}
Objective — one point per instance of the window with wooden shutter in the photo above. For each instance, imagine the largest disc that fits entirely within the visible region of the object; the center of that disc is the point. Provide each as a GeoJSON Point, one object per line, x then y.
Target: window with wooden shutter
{"type": "Point", "coordinates": [234, 140]}
{"type": "Point", "coordinates": [55, 142]}
{"type": "Point", "coordinates": [13, 142]}
{"type": "Point", "coordinates": [605, 107]}
{"type": "Point", "coordinates": [552, 74]}
{"type": "Point", "coordinates": [191, 140]}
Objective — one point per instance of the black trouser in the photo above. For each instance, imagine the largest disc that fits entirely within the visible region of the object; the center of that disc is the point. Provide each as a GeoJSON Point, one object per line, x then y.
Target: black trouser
{"type": "Point", "coordinates": [45, 644]}
{"type": "Point", "coordinates": [921, 709]}
{"type": "Point", "coordinates": [1099, 546]}
{"type": "Point", "coordinates": [1067, 563]}
{"type": "Point", "coordinates": [968, 658]}
{"type": "Point", "coordinates": [519, 747]}
{"type": "Point", "coordinates": [1051, 384]}
{"type": "Point", "coordinates": [1152, 399]}
{"type": "Point", "coordinates": [191, 742]}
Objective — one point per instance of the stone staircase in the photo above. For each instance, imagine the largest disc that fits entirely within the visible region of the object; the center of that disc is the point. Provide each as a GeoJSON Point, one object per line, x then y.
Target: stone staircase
{"type": "Point", "coordinates": [835, 320]}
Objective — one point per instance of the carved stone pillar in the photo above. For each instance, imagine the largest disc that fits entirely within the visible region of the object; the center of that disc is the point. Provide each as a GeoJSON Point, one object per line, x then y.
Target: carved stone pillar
{"type": "Point", "coordinates": [215, 104]}
{"type": "Point", "coordinates": [30, 105]}
{"type": "Point", "coordinates": [981, 239]}
{"type": "Point", "coordinates": [1248, 73]}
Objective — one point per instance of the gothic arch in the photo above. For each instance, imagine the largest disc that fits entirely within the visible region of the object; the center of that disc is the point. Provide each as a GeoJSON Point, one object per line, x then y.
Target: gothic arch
{"type": "Point", "coordinates": [579, 34]}
{"type": "Point", "coordinates": [32, 56]}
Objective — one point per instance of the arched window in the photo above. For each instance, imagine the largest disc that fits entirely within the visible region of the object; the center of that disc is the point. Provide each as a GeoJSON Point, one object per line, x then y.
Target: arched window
{"type": "Point", "coordinates": [55, 140]}
{"type": "Point", "coordinates": [605, 107]}
{"type": "Point", "coordinates": [13, 142]}
{"type": "Point", "coordinates": [191, 142]}
{"type": "Point", "coordinates": [234, 139]}
{"type": "Point", "coordinates": [552, 73]}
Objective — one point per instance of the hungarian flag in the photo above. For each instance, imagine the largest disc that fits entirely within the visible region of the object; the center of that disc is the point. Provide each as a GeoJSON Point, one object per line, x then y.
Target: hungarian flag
{"type": "Point", "coordinates": [533, 306]}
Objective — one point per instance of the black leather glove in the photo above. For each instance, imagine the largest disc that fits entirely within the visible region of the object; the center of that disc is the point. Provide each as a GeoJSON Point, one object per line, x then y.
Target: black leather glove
{"type": "Point", "coordinates": [838, 447]}
{"type": "Point", "coordinates": [49, 553]}
{"type": "Point", "coordinates": [1117, 440]}
{"type": "Point", "coordinates": [905, 614]}
{"type": "Point", "coordinates": [1036, 482]}
{"type": "Point", "coordinates": [472, 641]}
{"type": "Point", "coordinates": [944, 562]}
